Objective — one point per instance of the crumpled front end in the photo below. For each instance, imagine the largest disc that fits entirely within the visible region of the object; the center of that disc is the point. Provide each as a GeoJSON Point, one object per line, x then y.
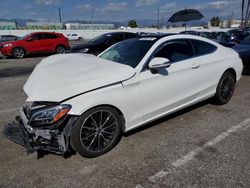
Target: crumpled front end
{"type": "Point", "coordinates": [42, 134]}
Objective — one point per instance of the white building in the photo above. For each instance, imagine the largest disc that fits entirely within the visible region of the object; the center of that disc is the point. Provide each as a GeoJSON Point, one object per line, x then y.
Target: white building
{"type": "Point", "coordinates": [77, 26]}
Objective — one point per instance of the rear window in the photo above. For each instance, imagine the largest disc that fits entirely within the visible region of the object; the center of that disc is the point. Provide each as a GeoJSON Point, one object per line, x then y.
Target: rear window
{"type": "Point", "coordinates": [203, 48]}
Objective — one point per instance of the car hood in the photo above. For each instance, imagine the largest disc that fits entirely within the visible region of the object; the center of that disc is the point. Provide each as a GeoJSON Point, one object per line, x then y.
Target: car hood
{"type": "Point", "coordinates": [60, 77]}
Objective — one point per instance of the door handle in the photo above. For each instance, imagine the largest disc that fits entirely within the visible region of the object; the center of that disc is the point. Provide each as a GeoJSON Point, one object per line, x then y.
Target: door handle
{"type": "Point", "coordinates": [195, 66]}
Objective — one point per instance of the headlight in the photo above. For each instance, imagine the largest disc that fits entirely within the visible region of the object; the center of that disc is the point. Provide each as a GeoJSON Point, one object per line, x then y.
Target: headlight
{"type": "Point", "coordinates": [49, 115]}
{"type": "Point", "coordinates": [7, 45]}
{"type": "Point", "coordinates": [84, 50]}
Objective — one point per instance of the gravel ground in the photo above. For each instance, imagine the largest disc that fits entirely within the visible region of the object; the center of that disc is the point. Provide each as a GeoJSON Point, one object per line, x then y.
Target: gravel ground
{"type": "Point", "coordinates": [202, 146]}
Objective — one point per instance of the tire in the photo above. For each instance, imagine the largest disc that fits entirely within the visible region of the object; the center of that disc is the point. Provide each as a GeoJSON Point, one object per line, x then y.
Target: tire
{"type": "Point", "coordinates": [60, 50]}
{"type": "Point", "coordinates": [18, 53]}
{"type": "Point", "coordinates": [96, 132]}
{"type": "Point", "coordinates": [225, 89]}
{"type": "Point", "coordinates": [80, 38]}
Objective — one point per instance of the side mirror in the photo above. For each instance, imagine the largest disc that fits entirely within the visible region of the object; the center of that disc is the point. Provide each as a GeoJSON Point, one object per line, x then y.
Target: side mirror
{"type": "Point", "coordinates": [159, 62]}
{"type": "Point", "coordinates": [29, 39]}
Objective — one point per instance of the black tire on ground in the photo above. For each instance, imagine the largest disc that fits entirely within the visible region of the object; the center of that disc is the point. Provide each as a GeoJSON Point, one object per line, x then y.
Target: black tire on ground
{"type": "Point", "coordinates": [80, 38]}
{"type": "Point", "coordinates": [96, 132]}
{"type": "Point", "coordinates": [18, 53]}
{"type": "Point", "coordinates": [60, 49]}
{"type": "Point", "coordinates": [225, 89]}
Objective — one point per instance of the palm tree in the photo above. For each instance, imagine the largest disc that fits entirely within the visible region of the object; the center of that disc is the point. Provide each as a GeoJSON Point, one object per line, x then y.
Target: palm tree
{"type": "Point", "coordinates": [242, 12]}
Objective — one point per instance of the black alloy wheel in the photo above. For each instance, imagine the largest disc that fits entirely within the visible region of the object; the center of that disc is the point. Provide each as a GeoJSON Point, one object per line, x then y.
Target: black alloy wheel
{"type": "Point", "coordinates": [225, 88]}
{"type": "Point", "coordinates": [96, 132]}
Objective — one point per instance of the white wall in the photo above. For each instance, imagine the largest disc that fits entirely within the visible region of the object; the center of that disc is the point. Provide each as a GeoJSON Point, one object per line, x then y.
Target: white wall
{"type": "Point", "coordinates": [89, 34]}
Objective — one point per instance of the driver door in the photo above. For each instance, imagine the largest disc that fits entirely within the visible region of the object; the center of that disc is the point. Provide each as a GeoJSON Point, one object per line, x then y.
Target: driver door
{"type": "Point", "coordinates": [165, 89]}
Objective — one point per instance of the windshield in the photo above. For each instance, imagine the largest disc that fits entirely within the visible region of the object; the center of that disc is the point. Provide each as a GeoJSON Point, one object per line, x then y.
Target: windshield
{"type": "Point", "coordinates": [101, 38]}
{"type": "Point", "coordinates": [21, 38]}
{"type": "Point", "coordinates": [246, 41]}
{"type": "Point", "coordinates": [129, 52]}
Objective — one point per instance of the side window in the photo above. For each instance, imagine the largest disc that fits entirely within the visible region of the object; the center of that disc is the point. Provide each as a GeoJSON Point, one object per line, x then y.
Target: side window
{"type": "Point", "coordinates": [48, 36]}
{"type": "Point", "coordinates": [36, 37]}
{"type": "Point", "coordinates": [202, 48]}
{"type": "Point", "coordinates": [74, 35]}
{"type": "Point", "coordinates": [176, 50]}
{"type": "Point", "coordinates": [116, 38]}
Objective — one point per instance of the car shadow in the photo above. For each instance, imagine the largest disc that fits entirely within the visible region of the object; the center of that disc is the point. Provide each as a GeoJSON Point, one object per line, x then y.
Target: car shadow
{"type": "Point", "coordinates": [167, 118]}
{"type": "Point", "coordinates": [246, 71]}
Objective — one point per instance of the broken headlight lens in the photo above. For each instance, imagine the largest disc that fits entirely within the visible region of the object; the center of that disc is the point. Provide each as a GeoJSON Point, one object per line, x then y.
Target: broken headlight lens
{"type": "Point", "coordinates": [49, 115]}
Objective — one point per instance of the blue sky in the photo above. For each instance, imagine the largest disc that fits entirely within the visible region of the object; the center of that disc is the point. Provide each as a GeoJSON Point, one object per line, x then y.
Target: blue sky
{"type": "Point", "coordinates": [114, 10]}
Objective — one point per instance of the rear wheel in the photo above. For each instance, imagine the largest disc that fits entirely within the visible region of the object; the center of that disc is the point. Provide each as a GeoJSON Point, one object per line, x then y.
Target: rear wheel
{"type": "Point", "coordinates": [96, 132]}
{"type": "Point", "coordinates": [18, 53]}
{"type": "Point", "coordinates": [225, 88]}
{"type": "Point", "coordinates": [80, 38]}
{"type": "Point", "coordinates": [60, 50]}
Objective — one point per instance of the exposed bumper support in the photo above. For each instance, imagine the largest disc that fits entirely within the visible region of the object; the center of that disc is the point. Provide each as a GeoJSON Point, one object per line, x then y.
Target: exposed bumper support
{"type": "Point", "coordinates": [35, 139]}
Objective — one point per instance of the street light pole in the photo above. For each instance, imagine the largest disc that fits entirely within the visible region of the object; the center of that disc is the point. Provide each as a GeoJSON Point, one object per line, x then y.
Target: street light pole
{"type": "Point", "coordinates": [158, 19]}
{"type": "Point", "coordinates": [60, 16]}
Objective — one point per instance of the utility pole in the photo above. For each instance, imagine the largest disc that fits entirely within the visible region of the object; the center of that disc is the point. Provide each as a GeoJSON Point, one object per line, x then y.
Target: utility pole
{"type": "Point", "coordinates": [91, 16]}
{"type": "Point", "coordinates": [158, 19]}
{"type": "Point", "coordinates": [242, 13]}
{"type": "Point", "coordinates": [60, 16]}
{"type": "Point", "coordinates": [247, 12]}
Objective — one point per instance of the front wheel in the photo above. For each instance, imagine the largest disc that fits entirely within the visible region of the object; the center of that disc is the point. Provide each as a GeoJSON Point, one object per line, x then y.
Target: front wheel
{"type": "Point", "coordinates": [18, 53]}
{"type": "Point", "coordinates": [60, 50]}
{"type": "Point", "coordinates": [96, 132]}
{"type": "Point", "coordinates": [225, 88]}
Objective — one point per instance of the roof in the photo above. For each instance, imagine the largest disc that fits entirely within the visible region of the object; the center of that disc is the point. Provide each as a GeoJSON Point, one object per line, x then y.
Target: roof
{"type": "Point", "coordinates": [156, 35]}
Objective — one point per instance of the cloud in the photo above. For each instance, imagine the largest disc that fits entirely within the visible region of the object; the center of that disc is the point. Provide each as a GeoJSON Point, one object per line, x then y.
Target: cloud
{"type": "Point", "coordinates": [4, 12]}
{"type": "Point", "coordinates": [27, 7]}
{"type": "Point", "coordinates": [114, 7]}
{"type": "Point", "coordinates": [33, 13]}
{"type": "Point", "coordinates": [169, 5]}
{"type": "Point", "coordinates": [221, 8]}
{"type": "Point", "coordinates": [142, 3]}
{"type": "Point", "coordinates": [83, 8]}
{"type": "Point", "coordinates": [48, 2]}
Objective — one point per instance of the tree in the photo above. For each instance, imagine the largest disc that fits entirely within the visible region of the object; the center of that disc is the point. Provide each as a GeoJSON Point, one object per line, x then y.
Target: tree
{"type": "Point", "coordinates": [132, 24]}
{"type": "Point", "coordinates": [215, 21]}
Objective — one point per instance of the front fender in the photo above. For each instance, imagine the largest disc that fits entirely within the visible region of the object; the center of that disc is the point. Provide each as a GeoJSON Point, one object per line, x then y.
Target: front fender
{"type": "Point", "coordinates": [123, 98]}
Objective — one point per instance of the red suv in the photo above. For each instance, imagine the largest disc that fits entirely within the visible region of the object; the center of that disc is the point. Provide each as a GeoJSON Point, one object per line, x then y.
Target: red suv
{"type": "Point", "coordinates": [38, 42]}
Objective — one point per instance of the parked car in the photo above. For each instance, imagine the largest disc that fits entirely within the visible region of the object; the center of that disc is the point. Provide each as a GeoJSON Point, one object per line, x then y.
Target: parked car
{"type": "Point", "coordinates": [7, 38]}
{"type": "Point", "coordinates": [38, 42]}
{"type": "Point", "coordinates": [102, 42]}
{"type": "Point", "coordinates": [92, 100]}
{"type": "Point", "coordinates": [190, 32]}
{"type": "Point", "coordinates": [220, 34]}
{"type": "Point", "coordinates": [74, 36]}
{"type": "Point", "coordinates": [204, 34]}
{"type": "Point", "coordinates": [236, 35]}
{"type": "Point", "coordinates": [244, 51]}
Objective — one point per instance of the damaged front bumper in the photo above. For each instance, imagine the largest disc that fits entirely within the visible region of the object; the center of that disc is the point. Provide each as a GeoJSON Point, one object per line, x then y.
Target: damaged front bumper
{"type": "Point", "coordinates": [40, 139]}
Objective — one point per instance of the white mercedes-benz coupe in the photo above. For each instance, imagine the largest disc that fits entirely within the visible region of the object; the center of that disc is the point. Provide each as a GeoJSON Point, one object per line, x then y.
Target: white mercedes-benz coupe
{"type": "Point", "coordinates": [83, 103]}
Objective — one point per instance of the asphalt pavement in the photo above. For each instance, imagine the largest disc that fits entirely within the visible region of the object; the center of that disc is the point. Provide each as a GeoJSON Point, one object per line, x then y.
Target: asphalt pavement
{"type": "Point", "coordinates": [202, 146]}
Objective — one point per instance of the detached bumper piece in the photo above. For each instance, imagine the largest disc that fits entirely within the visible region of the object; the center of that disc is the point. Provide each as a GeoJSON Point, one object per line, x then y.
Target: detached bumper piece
{"type": "Point", "coordinates": [36, 139]}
